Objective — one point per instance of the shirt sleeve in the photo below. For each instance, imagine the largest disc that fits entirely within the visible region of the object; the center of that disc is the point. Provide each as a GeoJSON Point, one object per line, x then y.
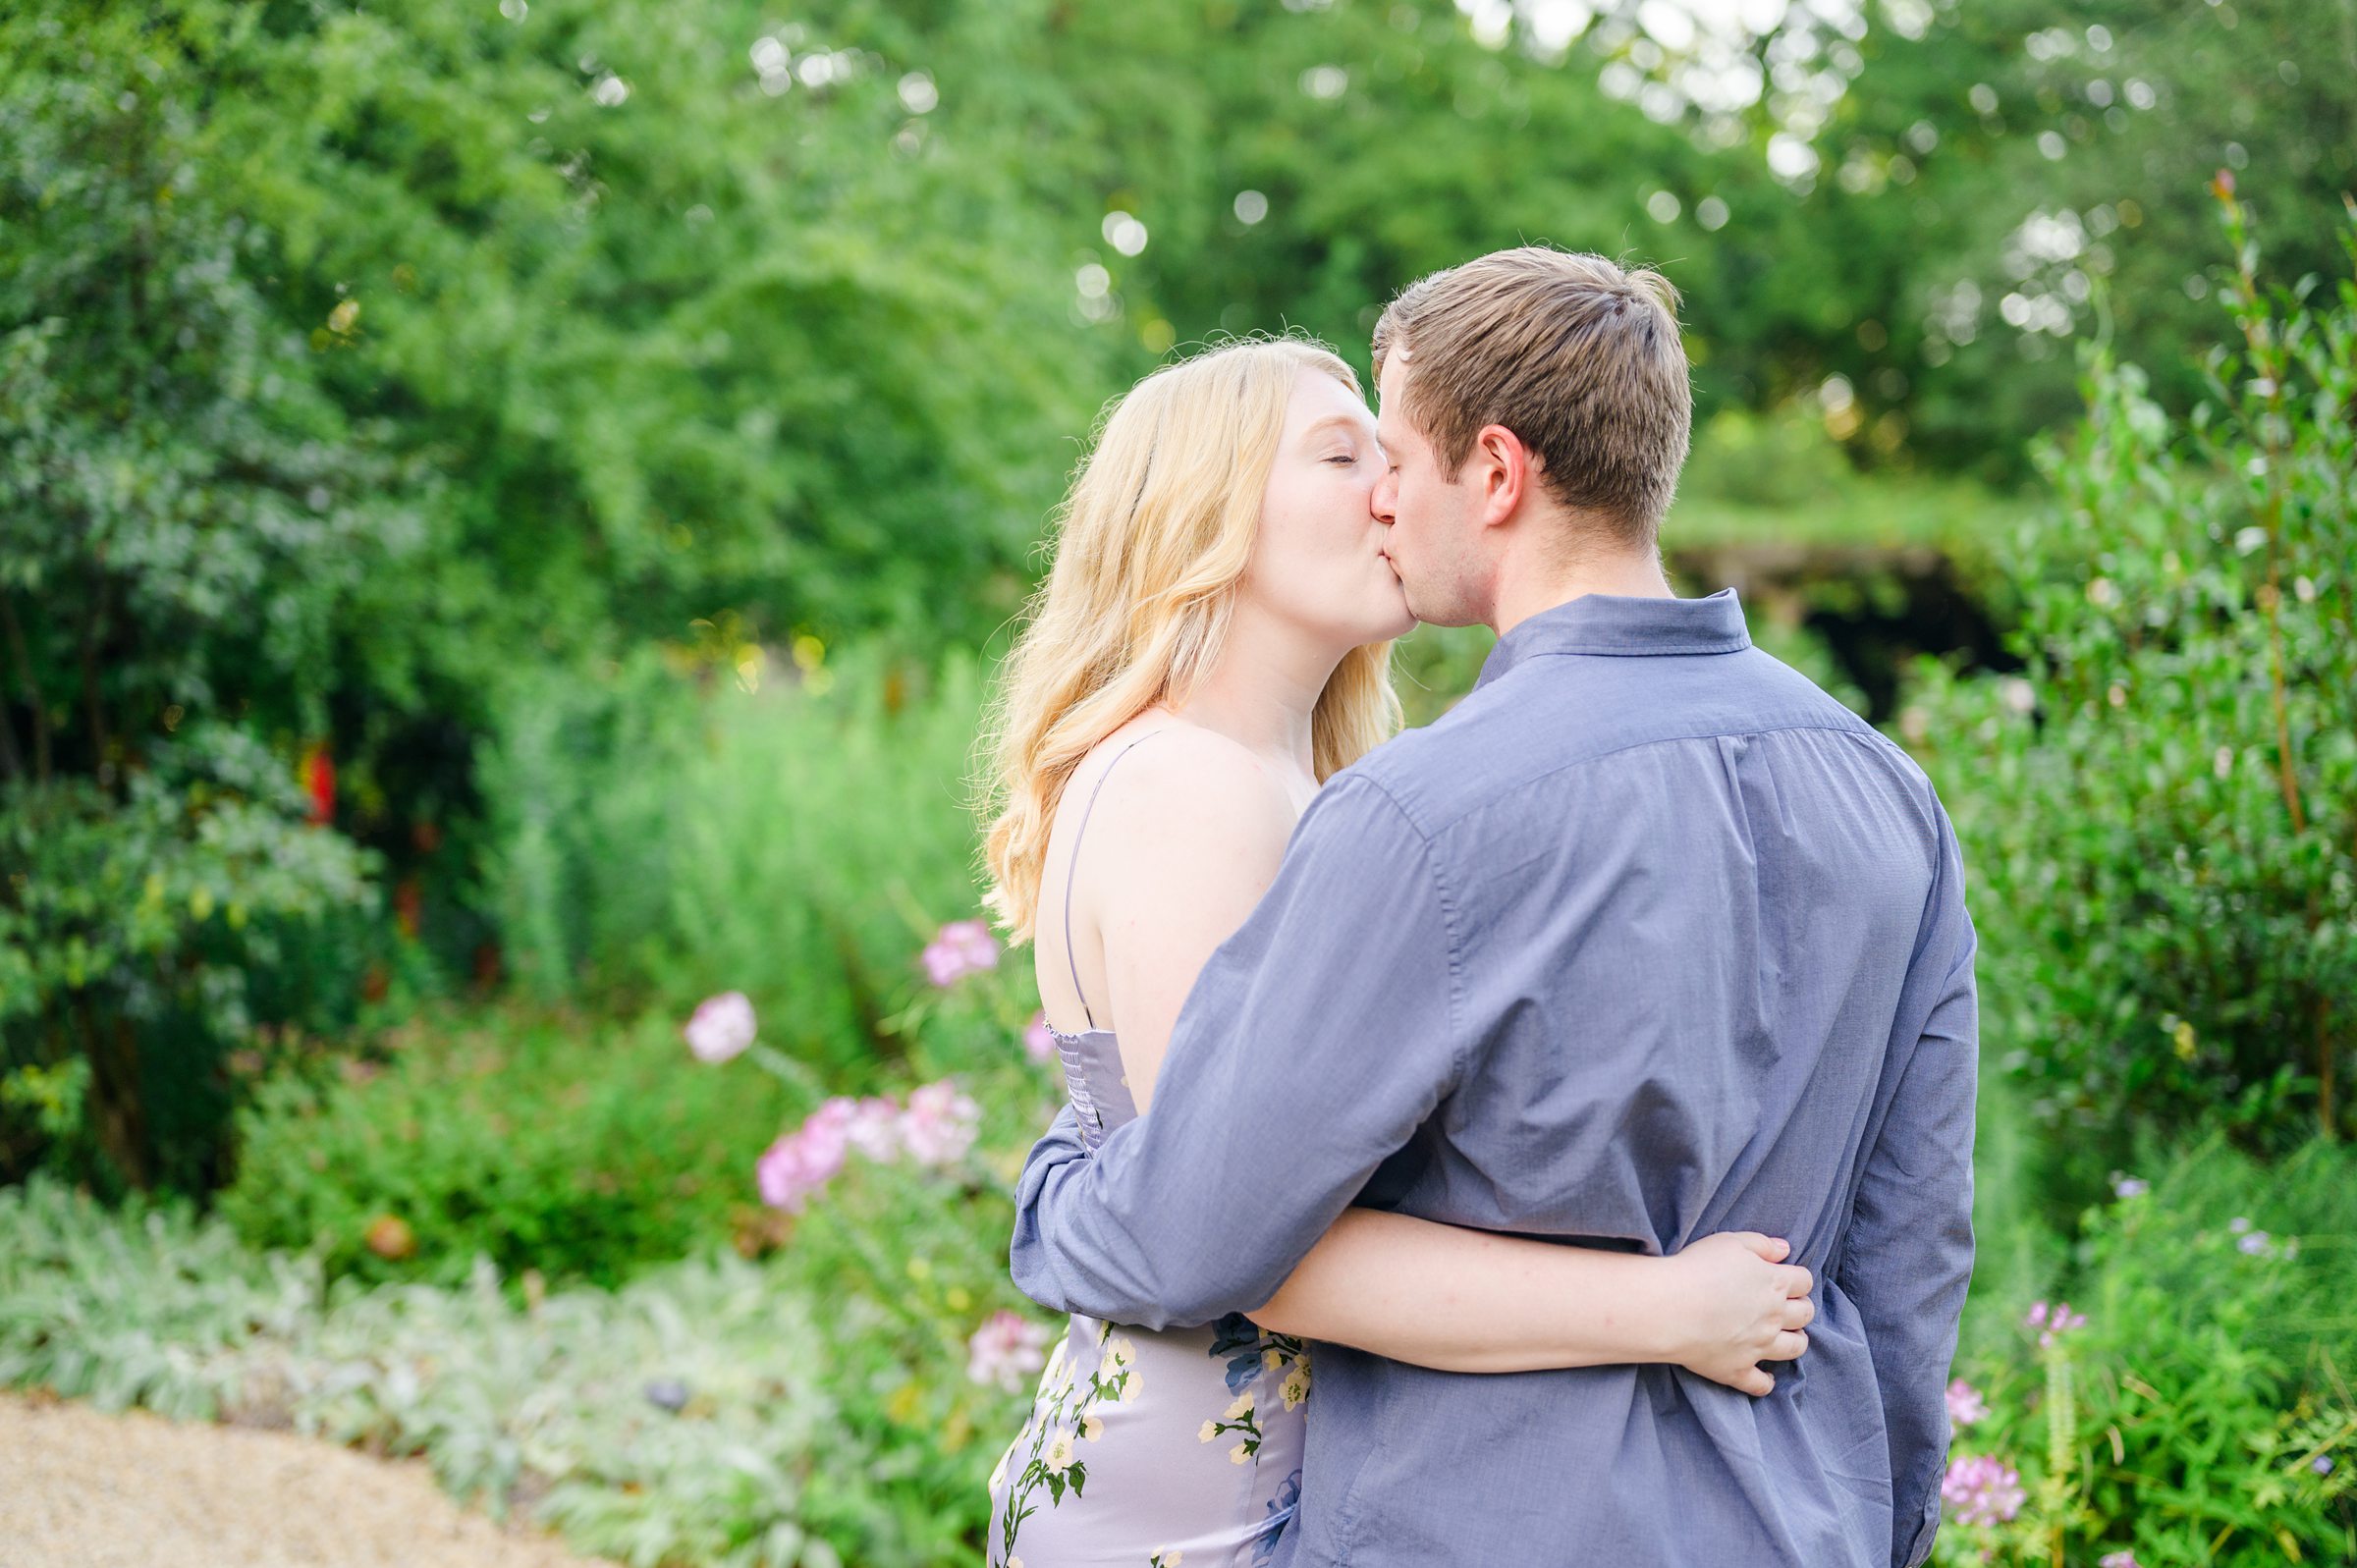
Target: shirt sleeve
{"type": "Point", "coordinates": [1907, 1258]}
{"type": "Point", "coordinates": [1315, 1041]}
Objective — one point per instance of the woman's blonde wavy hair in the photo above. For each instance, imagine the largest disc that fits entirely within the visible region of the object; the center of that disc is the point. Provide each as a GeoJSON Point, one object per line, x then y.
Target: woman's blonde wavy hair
{"type": "Point", "coordinates": [1151, 543]}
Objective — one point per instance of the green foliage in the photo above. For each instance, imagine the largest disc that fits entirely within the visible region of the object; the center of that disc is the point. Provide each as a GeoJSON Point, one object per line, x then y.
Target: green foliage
{"type": "Point", "coordinates": [2161, 814]}
{"type": "Point", "coordinates": [823, 1411]}
{"type": "Point", "coordinates": [136, 927]}
{"type": "Point", "coordinates": [2006, 175]}
{"type": "Point", "coordinates": [2202, 1414]}
{"type": "Point", "coordinates": [655, 841]}
{"type": "Point", "coordinates": [183, 516]}
{"type": "Point", "coordinates": [582, 1148]}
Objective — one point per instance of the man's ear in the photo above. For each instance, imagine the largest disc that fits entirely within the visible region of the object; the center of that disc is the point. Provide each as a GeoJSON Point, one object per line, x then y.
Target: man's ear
{"type": "Point", "coordinates": [1504, 469]}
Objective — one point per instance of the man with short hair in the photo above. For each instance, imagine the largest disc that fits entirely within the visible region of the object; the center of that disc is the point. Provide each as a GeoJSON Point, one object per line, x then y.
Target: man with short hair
{"type": "Point", "coordinates": [1646, 938]}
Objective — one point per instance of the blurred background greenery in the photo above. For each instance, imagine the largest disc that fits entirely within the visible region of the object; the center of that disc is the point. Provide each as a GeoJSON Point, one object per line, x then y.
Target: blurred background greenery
{"type": "Point", "coordinates": [507, 512]}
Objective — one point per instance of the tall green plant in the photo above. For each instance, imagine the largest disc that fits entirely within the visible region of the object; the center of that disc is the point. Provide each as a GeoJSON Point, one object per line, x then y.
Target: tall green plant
{"type": "Point", "coordinates": [655, 841]}
{"type": "Point", "coordinates": [2161, 814]}
{"type": "Point", "coordinates": [182, 516]}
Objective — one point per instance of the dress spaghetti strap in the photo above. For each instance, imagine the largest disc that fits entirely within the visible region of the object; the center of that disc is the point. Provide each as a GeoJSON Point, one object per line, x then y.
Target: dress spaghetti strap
{"type": "Point", "coordinates": [1072, 869]}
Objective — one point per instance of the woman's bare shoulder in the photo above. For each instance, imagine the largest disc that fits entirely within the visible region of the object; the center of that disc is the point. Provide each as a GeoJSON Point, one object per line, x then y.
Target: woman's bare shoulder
{"type": "Point", "coordinates": [1189, 791]}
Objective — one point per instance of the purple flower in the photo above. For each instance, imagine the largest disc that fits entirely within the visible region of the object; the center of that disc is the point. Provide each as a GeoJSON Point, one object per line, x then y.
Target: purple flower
{"type": "Point", "coordinates": [1037, 1042]}
{"type": "Point", "coordinates": [721, 1027]}
{"type": "Point", "coordinates": [2052, 1323]}
{"type": "Point", "coordinates": [2322, 1463]}
{"type": "Point", "coordinates": [2238, 1224]}
{"type": "Point", "coordinates": [1965, 1404]}
{"type": "Point", "coordinates": [2126, 1187]}
{"type": "Point", "coordinates": [2255, 1244]}
{"type": "Point", "coordinates": [960, 948]}
{"type": "Point", "coordinates": [939, 1124]}
{"type": "Point", "coordinates": [1982, 1491]}
{"type": "Point", "coordinates": [1006, 1347]}
{"type": "Point", "coordinates": [2117, 1559]}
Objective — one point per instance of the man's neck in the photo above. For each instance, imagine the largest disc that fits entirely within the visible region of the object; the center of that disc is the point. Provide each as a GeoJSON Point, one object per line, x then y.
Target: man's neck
{"type": "Point", "coordinates": [1523, 593]}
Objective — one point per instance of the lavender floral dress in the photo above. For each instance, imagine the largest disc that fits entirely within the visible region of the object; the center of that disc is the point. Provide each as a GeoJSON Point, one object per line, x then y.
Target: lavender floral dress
{"type": "Point", "coordinates": [1180, 1448]}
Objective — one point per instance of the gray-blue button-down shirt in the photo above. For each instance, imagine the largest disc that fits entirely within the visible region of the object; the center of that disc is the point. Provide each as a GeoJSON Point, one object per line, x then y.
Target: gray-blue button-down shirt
{"type": "Point", "coordinates": [1647, 939]}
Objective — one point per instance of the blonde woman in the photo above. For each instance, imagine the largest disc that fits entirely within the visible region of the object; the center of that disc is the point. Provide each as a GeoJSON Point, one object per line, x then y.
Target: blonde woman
{"type": "Point", "coordinates": [1212, 643]}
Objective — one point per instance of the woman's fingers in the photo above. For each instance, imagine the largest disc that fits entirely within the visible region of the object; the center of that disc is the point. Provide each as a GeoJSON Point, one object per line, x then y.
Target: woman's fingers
{"type": "Point", "coordinates": [1775, 1249]}
{"type": "Point", "coordinates": [1797, 1281]}
{"type": "Point", "coordinates": [1754, 1381]}
{"type": "Point", "coordinates": [1787, 1345]}
{"type": "Point", "coordinates": [1799, 1312]}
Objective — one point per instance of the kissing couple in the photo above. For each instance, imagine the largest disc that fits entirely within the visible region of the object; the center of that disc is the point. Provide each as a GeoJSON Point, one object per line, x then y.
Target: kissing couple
{"type": "Point", "coordinates": [1542, 1138]}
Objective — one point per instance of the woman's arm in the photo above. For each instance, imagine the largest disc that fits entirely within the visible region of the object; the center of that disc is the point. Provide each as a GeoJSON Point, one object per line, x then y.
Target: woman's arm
{"type": "Point", "coordinates": [1182, 845]}
{"type": "Point", "coordinates": [1469, 1301]}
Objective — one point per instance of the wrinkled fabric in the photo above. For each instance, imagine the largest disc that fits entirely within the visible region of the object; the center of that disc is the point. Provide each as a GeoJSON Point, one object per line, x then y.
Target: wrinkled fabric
{"type": "Point", "coordinates": [1647, 939]}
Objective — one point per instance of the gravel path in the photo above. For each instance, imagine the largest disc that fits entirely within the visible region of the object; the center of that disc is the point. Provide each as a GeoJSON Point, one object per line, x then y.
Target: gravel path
{"type": "Point", "coordinates": [83, 1490]}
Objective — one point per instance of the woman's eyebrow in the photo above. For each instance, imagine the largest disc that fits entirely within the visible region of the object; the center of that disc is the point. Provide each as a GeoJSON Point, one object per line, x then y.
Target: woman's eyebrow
{"type": "Point", "coordinates": [1341, 420]}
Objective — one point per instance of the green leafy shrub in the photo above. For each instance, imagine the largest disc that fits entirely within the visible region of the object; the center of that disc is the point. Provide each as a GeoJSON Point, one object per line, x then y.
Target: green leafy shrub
{"type": "Point", "coordinates": [2161, 814]}
{"type": "Point", "coordinates": [580, 1147]}
{"type": "Point", "coordinates": [184, 514]}
{"type": "Point", "coordinates": [2200, 1412]}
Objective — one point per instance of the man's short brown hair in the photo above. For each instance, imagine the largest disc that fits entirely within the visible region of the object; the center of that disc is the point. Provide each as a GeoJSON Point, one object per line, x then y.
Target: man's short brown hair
{"type": "Point", "coordinates": [1575, 356]}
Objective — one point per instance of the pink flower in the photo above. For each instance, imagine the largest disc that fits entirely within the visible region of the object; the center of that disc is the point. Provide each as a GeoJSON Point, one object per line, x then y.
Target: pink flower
{"type": "Point", "coordinates": [960, 948]}
{"type": "Point", "coordinates": [940, 1123]}
{"type": "Point", "coordinates": [874, 1129]}
{"type": "Point", "coordinates": [1037, 1042]}
{"type": "Point", "coordinates": [806, 1160]}
{"type": "Point", "coordinates": [790, 1171]}
{"type": "Point", "coordinates": [2055, 1322]}
{"type": "Point", "coordinates": [1006, 1347]}
{"type": "Point", "coordinates": [1982, 1491]}
{"type": "Point", "coordinates": [2117, 1559]}
{"type": "Point", "coordinates": [721, 1027]}
{"type": "Point", "coordinates": [1965, 1404]}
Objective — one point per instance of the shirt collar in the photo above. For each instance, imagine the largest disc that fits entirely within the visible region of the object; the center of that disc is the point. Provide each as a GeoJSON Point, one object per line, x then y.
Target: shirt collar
{"type": "Point", "coordinates": [1620, 626]}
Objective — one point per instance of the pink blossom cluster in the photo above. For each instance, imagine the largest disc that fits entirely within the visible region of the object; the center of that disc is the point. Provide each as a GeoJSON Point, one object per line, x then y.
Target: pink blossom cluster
{"type": "Point", "coordinates": [2117, 1559]}
{"type": "Point", "coordinates": [1006, 1347]}
{"type": "Point", "coordinates": [721, 1027]}
{"type": "Point", "coordinates": [1982, 1491]}
{"type": "Point", "coordinates": [1965, 1404]}
{"type": "Point", "coordinates": [940, 1123]}
{"type": "Point", "coordinates": [960, 948]}
{"type": "Point", "coordinates": [935, 1129]}
{"type": "Point", "coordinates": [2052, 1323]}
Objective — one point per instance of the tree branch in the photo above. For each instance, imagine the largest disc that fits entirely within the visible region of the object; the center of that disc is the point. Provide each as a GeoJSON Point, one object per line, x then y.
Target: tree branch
{"type": "Point", "coordinates": [22, 659]}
